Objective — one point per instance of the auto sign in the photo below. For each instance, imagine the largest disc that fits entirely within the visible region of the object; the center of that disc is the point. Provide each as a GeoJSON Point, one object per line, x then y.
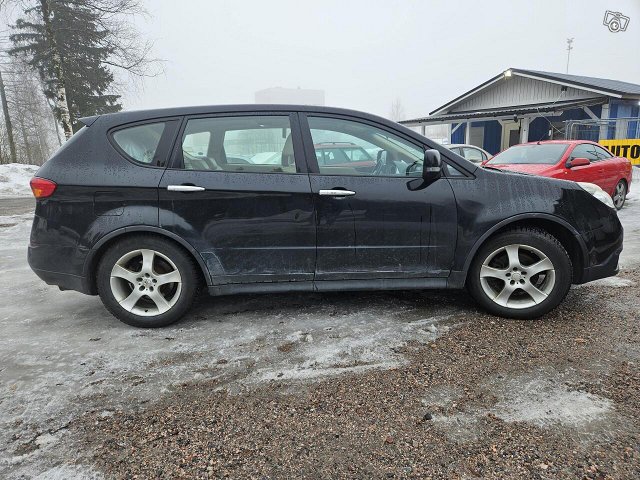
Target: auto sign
{"type": "Point", "coordinates": [629, 148]}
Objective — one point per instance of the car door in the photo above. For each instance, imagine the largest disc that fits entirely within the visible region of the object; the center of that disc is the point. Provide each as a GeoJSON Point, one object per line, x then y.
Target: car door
{"type": "Point", "coordinates": [381, 222]}
{"type": "Point", "coordinates": [612, 168]}
{"type": "Point", "coordinates": [592, 173]}
{"type": "Point", "coordinates": [238, 191]}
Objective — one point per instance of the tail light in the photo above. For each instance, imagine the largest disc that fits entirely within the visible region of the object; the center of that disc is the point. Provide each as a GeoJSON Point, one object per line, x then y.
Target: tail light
{"type": "Point", "coordinates": [42, 188]}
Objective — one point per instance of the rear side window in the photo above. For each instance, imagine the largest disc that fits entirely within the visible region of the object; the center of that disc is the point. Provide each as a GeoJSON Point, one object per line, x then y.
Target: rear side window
{"type": "Point", "coordinates": [253, 144]}
{"type": "Point", "coordinates": [474, 155]}
{"type": "Point", "coordinates": [141, 141]}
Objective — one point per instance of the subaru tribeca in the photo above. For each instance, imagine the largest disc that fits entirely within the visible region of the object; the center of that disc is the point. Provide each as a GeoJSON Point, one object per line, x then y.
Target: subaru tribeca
{"type": "Point", "coordinates": [146, 208]}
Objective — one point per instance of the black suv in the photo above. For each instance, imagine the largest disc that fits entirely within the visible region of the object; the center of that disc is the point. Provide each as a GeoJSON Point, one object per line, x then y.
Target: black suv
{"type": "Point", "coordinates": [145, 208]}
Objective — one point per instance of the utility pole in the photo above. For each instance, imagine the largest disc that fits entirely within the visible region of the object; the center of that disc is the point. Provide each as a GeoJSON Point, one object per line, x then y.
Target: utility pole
{"type": "Point", "coordinates": [7, 121]}
{"type": "Point", "coordinates": [569, 48]}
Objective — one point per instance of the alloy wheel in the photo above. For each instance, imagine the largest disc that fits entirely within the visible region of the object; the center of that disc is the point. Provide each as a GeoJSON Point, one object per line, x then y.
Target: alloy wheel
{"type": "Point", "coordinates": [620, 195]}
{"type": "Point", "coordinates": [145, 282]}
{"type": "Point", "coordinates": [517, 276]}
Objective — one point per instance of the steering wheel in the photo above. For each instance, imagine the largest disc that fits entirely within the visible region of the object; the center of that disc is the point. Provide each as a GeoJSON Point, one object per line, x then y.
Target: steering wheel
{"type": "Point", "coordinates": [413, 167]}
{"type": "Point", "coordinates": [385, 164]}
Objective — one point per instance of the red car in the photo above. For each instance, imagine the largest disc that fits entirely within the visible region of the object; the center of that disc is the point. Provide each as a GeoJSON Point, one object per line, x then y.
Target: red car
{"type": "Point", "coordinates": [576, 160]}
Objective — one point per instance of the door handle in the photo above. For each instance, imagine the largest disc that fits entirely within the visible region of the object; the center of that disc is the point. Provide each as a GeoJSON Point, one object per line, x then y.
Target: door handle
{"type": "Point", "coordinates": [336, 193]}
{"type": "Point", "coordinates": [185, 188]}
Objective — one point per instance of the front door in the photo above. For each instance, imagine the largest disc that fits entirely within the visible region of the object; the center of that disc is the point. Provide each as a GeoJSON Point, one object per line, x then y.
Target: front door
{"type": "Point", "coordinates": [239, 193]}
{"type": "Point", "coordinates": [375, 216]}
{"type": "Point", "coordinates": [592, 173]}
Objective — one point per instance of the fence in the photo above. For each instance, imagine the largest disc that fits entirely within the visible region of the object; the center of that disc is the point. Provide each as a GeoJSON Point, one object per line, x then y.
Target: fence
{"type": "Point", "coordinates": [597, 130]}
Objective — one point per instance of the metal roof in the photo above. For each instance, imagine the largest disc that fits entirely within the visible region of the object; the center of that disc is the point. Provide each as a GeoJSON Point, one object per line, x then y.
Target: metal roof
{"type": "Point", "coordinates": [505, 111]}
{"type": "Point", "coordinates": [605, 84]}
{"type": "Point", "coordinates": [599, 86]}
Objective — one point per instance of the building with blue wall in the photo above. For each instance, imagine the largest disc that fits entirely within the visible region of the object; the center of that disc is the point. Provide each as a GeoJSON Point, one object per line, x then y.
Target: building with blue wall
{"type": "Point", "coordinates": [519, 105]}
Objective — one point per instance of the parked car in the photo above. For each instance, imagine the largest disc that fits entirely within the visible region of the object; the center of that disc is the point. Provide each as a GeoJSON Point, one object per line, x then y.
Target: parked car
{"type": "Point", "coordinates": [123, 212]}
{"type": "Point", "coordinates": [345, 154]}
{"type": "Point", "coordinates": [470, 152]}
{"type": "Point", "coordinates": [577, 160]}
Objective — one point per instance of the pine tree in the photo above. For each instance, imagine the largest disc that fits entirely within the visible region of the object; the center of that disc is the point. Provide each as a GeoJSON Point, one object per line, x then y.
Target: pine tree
{"type": "Point", "coordinates": [65, 42]}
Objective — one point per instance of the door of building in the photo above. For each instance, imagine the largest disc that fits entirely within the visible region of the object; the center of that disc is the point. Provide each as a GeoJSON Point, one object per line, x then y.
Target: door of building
{"type": "Point", "coordinates": [510, 134]}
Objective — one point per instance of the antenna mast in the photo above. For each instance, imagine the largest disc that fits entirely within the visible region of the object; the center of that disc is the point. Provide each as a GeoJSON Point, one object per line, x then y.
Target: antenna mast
{"type": "Point", "coordinates": [569, 48]}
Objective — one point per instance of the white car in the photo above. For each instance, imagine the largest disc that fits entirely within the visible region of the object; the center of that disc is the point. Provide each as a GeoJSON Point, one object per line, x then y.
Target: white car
{"type": "Point", "coordinates": [470, 152]}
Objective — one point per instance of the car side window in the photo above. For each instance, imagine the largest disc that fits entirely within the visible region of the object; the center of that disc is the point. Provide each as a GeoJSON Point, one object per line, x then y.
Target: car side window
{"type": "Point", "coordinates": [602, 153]}
{"type": "Point", "coordinates": [253, 144]}
{"type": "Point", "coordinates": [451, 171]}
{"type": "Point", "coordinates": [140, 142]}
{"type": "Point", "coordinates": [473, 154]}
{"type": "Point", "coordinates": [585, 150]}
{"type": "Point", "coordinates": [345, 147]}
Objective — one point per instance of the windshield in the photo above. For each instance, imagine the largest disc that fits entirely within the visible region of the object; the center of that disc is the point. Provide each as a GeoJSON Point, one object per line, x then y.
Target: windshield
{"type": "Point", "coordinates": [544, 153]}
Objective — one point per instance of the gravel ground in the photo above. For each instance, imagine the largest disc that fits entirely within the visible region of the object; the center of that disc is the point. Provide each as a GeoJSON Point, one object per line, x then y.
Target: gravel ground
{"type": "Point", "coordinates": [557, 398]}
{"type": "Point", "coordinates": [357, 385]}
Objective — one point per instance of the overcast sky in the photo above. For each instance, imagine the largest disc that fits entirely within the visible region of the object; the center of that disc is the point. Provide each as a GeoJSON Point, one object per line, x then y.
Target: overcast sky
{"type": "Point", "coordinates": [366, 53]}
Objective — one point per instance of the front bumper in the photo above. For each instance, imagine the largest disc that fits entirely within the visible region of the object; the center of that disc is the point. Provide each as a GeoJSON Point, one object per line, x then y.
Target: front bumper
{"type": "Point", "coordinates": [608, 268]}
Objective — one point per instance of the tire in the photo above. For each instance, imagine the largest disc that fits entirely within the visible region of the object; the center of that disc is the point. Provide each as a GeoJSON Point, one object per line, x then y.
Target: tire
{"type": "Point", "coordinates": [620, 194]}
{"type": "Point", "coordinates": [515, 287]}
{"type": "Point", "coordinates": [147, 297]}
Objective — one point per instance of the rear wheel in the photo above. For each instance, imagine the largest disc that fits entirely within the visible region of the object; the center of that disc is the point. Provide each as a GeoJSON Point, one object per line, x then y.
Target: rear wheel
{"type": "Point", "coordinates": [523, 273]}
{"type": "Point", "coordinates": [620, 194]}
{"type": "Point", "coordinates": [147, 281]}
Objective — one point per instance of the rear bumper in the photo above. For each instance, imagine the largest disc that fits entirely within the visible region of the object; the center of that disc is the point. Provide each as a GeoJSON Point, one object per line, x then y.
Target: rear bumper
{"type": "Point", "coordinates": [50, 262]}
{"type": "Point", "coordinates": [63, 281]}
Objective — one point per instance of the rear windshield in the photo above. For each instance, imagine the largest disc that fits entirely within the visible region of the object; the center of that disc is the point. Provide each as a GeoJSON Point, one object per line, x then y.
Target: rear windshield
{"type": "Point", "coordinates": [544, 153]}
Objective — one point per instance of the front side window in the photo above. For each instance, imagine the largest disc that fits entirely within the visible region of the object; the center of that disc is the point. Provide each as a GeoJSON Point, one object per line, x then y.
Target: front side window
{"type": "Point", "coordinates": [536, 153]}
{"type": "Point", "coordinates": [602, 153]}
{"type": "Point", "coordinates": [345, 147]}
{"type": "Point", "coordinates": [585, 150]}
{"type": "Point", "coordinates": [140, 142]}
{"type": "Point", "coordinates": [254, 144]}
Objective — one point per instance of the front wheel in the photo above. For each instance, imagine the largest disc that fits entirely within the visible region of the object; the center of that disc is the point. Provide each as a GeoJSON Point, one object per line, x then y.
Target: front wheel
{"type": "Point", "coordinates": [146, 281]}
{"type": "Point", "coordinates": [620, 194]}
{"type": "Point", "coordinates": [523, 273]}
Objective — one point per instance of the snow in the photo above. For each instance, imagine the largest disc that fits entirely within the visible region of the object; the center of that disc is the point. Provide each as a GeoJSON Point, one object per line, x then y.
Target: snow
{"type": "Point", "coordinates": [544, 400]}
{"type": "Point", "coordinates": [14, 179]}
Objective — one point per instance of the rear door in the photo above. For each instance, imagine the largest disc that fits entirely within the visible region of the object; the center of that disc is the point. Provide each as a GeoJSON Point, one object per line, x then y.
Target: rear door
{"type": "Point", "coordinates": [237, 190]}
{"type": "Point", "coordinates": [381, 221]}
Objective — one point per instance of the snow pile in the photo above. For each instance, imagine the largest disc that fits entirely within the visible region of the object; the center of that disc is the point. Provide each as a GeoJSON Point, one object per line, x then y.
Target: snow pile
{"type": "Point", "coordinates": [14, 179]}
{"type": "Point", "coordinates": [635, 179]}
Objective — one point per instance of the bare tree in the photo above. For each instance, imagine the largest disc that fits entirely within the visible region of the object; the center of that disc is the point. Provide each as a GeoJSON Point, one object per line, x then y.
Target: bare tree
{"type": "Point", "coordinates": [34, 133]}
{"type": "Point", "coordinates": [129, 52]}
{"type": "Point", "coordinates": [397, 110]}
{"type": "Point", "coordinates": [7, 120]}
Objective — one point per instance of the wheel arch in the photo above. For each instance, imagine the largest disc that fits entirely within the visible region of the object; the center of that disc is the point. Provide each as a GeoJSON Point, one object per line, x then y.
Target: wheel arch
{"type": "Point", "coordinates": [566, 234]}
{"type": "Point", "coordinates": [105, 242]}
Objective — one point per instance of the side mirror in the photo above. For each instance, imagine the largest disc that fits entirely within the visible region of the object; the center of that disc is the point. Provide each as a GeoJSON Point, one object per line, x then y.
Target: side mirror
{"type": "Point", "coordinates": [578, 162]}
{"type": "Point", "coordinates": [432, 166]}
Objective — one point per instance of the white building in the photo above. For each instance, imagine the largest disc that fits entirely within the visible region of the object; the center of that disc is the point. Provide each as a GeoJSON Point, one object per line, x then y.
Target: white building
{"type": "Point", "coordinates": [520, 105]}
{"type": "Point", "coordinates": [298, 96]}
